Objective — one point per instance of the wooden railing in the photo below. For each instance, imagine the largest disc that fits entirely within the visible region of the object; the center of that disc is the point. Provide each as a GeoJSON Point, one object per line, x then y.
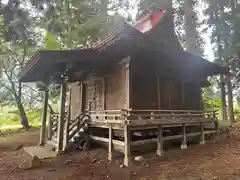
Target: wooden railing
{"type": "Point", "coordinates": [131, 116]}
{"type": "Point", "coordinates": [107, 115]}
{"type": "Point", "coordinates": [171, 114]}
{"type": "Point", "coordinates": [76, 124]}
{"type": "Point", "coordinates": [53, 126]}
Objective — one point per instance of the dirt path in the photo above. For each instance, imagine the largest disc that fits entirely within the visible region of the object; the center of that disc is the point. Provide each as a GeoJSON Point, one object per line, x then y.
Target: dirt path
{"type": "Point", "coordinates": [208, 162]}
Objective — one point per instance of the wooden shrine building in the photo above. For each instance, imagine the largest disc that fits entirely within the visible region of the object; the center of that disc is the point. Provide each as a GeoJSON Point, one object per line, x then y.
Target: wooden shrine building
{"type": "Point", "coordinates": [137, 86]}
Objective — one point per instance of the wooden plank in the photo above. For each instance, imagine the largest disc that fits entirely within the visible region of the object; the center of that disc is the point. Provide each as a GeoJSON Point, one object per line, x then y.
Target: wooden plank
{"type": "Point", "coordinates": [134, 128]}
{"type": "Point", "coordinates": [116, 121]}
{"type": "Point", "coordinates": [105, 126]}
{"type": "Point", "coordinates": [172, 137]}
{"type": "Point", "coordinates": [210, 132]}
{"type": "Point", "coordinates": [149, 122]}
{"type": "Point", "coordinates": [145, 141]}
{"type": "Point", "coordinates": [106, 140]}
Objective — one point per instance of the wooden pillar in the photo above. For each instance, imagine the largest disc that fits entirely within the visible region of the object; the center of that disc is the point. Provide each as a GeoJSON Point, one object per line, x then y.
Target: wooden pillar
{"type": "Point", "coordinates": [223, 99]}
{"type": "Point", "coordinates": [104, 94]}
{"type": "Point", "coordinates": [50, 127]}
{"type": "Point", "coordinates": [230, 99]}
{"type": "Point", "coordinates": [184, 137]}
{"type": "Point", "coordinates": [201, 99]}
{"type": "Point", "coordinates": [158, 93]}
{"type": "Point", "coordinates": [127, 149]}
{"type": "Point", "coordinates": [183, 98]}
{"type": "Point", "coordinates": [44, 118]}
{"type": "Point", "coordinates": [81, 96]}
{"type": "Point", "coordinates": [202, 141]}
{"type": "Point", "coordinates": [160, 141]}
{"type": "Point", "coordinates": [127, 85]}
{"type": "Point", "coordinates": [66, 134]}
{"type": "Point", "coordinates": [110, 143]}
{"type": "Point", "coordinates": [61, 117]}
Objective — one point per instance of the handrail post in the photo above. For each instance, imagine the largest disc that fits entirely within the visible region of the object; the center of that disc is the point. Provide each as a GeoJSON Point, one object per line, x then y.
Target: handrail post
{"type": "Point", "coordinates": [50, 127]}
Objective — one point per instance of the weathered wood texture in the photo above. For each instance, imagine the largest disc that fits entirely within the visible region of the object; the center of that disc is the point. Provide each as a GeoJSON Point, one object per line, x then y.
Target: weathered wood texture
{"type": "Point", "coordinates": [99, 92]}
{"type": "Point", "coordinates": [115, 89]}
{"type": "Point", "coordinates": [144, 91]}
{"type": "Point", "coordinates": [152, 92]}
{"type": "Point", "coordinates": [44, 118]}
{"type": "Point", "coordinates": [76, 99]}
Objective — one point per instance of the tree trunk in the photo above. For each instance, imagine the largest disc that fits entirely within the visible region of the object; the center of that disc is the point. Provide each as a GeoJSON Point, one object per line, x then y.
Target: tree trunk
{"type": "Point", "coordinates": [22, 113]}
{"type": "Point", "coordinates": [190, 28]}
{"type": "Point", "coordinates": [23, 116]}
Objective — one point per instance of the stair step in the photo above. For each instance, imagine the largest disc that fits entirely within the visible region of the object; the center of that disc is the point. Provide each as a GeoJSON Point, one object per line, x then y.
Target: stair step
{"type": "Point", "coordinates": [51, 145]}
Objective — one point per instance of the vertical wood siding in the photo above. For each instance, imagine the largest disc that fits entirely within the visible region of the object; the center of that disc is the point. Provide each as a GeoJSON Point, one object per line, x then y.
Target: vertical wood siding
{"type": "Point", "coordinates": [75, 99]}
{"type": "Point", "coordinates": [115, 89]}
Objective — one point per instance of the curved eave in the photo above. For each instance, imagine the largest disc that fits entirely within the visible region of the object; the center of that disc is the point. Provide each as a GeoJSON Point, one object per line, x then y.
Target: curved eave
{"type": "Point", "coordinates": [47, 62]}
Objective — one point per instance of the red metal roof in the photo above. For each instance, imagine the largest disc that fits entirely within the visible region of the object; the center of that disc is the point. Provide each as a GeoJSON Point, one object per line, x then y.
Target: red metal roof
{"type": "Point", "coordinates": [148, 22]}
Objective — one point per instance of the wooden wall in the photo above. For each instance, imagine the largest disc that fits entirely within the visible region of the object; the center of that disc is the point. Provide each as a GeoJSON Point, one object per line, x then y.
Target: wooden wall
{"type": "Point", "coordinates": [147, 90]}
{"type": "Point", "coordinates": [170, 94]}
{"type": "Point", "coordinates": [192, 96]}
{"type": "Point", "coordinates": [144, 91]}
{"type": "Point", "coordinates": [105, 92]}
{"type": "Point", "coordinates": [115, 84]}
{"type": "Point", "coordinates": [76, 101]}
{"type": "Point", "coordinates": [150, 91]}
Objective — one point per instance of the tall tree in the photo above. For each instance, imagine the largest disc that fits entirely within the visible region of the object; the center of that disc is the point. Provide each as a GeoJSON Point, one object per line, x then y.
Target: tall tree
{"type": "Point", "coordinates": [18, 37]}
{"type": "Point", "coordinates": [193, 45]}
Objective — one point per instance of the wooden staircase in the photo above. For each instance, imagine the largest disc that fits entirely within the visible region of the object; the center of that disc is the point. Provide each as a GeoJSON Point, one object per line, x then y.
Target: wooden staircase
{"type": "Point", "coordinates": [71, 129]}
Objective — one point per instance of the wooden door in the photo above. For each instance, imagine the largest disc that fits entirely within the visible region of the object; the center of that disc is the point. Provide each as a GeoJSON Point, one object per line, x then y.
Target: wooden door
{"type": "Point", "coordinates": [93, 95]}
{"type": "Point", "coordinates": [170, 94]}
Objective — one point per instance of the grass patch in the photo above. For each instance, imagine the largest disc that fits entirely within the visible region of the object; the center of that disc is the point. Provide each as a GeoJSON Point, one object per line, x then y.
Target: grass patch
{"type": "Point", "coordinates": [10, 117]}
